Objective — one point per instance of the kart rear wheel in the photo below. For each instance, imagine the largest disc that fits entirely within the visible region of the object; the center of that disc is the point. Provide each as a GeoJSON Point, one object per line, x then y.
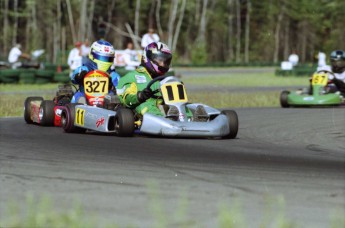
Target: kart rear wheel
{"type": "Point", "coordinates": [27, 108]}
{"type": "Point", "coordinates": [284, 99]}
{"type": "Point", "coordinates": [233, 123]}
{"type": "Point", "coordinates": [47, 114]}
{"type": "Point", "coordinates": [124, 122]}
{"type": "Point", "coordinates": [67, 120]}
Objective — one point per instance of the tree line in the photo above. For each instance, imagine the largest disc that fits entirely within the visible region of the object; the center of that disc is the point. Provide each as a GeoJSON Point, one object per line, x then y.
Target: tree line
{"type": "Point", "coordinates": [198, 31]}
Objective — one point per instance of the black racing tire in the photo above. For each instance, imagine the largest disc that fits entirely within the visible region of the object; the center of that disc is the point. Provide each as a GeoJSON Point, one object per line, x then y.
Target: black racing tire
{"type": "Point", "coordinates": [67, 119]}
{"type": "Point", "coordinates": [233, 123]}
{"type": "Point", "coordinates": [27, 108]}
{"type": "Point", "coordinates": [47, 114]}
{"type": "Point", "coordinates": [284, 99]}
{"type": "Point", "coordinates": [124, 123]}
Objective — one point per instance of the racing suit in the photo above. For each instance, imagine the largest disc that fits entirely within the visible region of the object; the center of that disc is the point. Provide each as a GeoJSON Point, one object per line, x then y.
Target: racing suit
{"type": "Point", "coordinates": [80, 95]}
{"type": "Point", "coordinates": [135, 81]}
{"type": "Point", "coordinates": [338, 79]}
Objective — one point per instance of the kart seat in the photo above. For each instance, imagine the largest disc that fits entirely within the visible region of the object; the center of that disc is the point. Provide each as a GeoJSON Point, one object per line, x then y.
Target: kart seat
{"type": "Point", "coordinates": [200, 114]}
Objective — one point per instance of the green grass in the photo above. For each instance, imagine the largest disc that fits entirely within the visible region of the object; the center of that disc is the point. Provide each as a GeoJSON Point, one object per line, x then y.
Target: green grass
{"type": "Point", "coordinates": [245, 80]}
{"type": "Point", "coordinates": [41, 212]}
{"type": "Point", "coordinates": [27, 87]}
{"type": "Point", "coordinates": [236, 100]}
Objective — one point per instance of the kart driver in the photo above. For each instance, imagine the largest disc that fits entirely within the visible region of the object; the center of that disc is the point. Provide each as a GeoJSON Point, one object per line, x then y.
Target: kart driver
{"type": "Point", "coordinates": [132, 89]}
{"type": "Point", "coordinates": [337, 68]}
{"type": "Point", "coordinates": [101, 57]}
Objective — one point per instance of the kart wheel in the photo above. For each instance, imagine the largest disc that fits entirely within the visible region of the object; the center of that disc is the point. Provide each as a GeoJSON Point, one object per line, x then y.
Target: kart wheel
{"type": "Point", "coordinates": [284, 99]}
{"type": "Point", "coordinates": [124, 122]}
{"type": "Point", "coordinates": [67, 120]}
{"type": "Point", "coordinates": [27, 108]}
{"type": "Point", "coordinates": [47, 114]}
{"type": "Point", "coordinates": [233, 123]}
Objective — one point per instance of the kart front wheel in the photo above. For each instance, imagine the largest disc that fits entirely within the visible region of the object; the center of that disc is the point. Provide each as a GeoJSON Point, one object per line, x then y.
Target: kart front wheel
{"type": "Point", "coordinates": [233, 123]}
{"type": "Point", "coordinates": [284, 99]}
{"type": "Point", "coordinates": [27, 108]}
{"type": "Point", "coordinates": [124, 122]}
{"type": "Point", "coordinates": [46, 113]}
{"type": "Point", "coordinates": [67, 119]}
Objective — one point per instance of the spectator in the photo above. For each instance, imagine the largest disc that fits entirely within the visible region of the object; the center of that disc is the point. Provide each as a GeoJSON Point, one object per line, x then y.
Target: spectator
{"type": "Point", "coordinates": [321, 59]}
{"type": "Point", "coordinates": [293, 58]}
{"type": "Point", "coordinates": [131, 57]}
{"type": "Point", "coordinates": [15, 55]}
{"type": "Point", "coordinates": [149, 38]}
{"type": "Point", "coordinates": [85, 49]}
{"type": "Point", "coordinates": [75, 57]}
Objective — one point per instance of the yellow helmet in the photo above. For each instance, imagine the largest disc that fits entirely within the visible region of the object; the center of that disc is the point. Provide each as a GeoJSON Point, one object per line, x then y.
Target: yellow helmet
{"type": "Point", "coordinates": [102, 54]}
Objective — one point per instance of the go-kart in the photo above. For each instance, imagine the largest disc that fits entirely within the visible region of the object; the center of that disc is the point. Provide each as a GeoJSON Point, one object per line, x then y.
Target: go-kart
{"type": "Point", "coordinates": [175, 120]}
{"type": "Point", "coordinates": [97, 111]}
{"type": "Point", "coordinates": [47, 112]}
{"type": "Point", "coordinates": [322, 92]}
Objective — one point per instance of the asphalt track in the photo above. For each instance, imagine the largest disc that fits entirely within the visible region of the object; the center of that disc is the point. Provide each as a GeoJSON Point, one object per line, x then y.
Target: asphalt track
{"type": "Point", "coordinates": [289, 161]}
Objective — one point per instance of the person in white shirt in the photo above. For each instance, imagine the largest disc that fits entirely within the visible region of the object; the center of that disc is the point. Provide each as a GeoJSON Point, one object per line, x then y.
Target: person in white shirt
{"type": "Point", "coordinates": [15, 55]}
{"type": "Point", "coordinates": [131, 57]}
{"type": "Point", "coordinates": [293, 59]}
{"type": "Point", "coordinates": [149, 38]}
{"type": "Point", "coordinates": [321, 59]}
{"type": "Point", "coordinates": [75, 57]}
{"type": "Point", "coordinates": [85, 49]}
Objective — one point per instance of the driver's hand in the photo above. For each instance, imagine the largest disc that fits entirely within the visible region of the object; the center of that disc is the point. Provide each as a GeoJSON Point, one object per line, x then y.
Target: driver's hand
{"type": "Point", "coordinates": [80, 76]}
{"type": "Point", "coordinates": [144, 95]}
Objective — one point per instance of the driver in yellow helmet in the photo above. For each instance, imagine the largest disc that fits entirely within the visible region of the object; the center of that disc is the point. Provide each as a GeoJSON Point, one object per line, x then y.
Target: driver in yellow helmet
{"type": "Point", "coordinates": [101, 57]}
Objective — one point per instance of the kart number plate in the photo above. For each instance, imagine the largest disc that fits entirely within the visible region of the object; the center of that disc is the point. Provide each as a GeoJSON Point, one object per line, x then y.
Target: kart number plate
{"type": "Point", "coordinates": [174, 92]}
{"type": "Point", "coordinates": [79, 116]}
{"type": "Point", "coordinates": [319, 79]}
{"type": "Point", "coordinates": [96, 84]}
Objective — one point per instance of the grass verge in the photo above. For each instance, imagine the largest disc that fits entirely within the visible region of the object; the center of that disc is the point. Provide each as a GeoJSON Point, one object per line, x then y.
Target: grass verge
{"type": "Point", "coordinates": [245, 80]}
{"type": "Point", "coordinates": [41, 212]}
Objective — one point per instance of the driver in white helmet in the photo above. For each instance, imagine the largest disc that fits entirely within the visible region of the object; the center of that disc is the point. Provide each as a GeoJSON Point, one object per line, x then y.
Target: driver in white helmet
{"type": "Point", "coordinates": [101, 57]}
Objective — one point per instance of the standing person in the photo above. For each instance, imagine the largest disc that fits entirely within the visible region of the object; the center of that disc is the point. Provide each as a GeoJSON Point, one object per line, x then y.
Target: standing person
{"type": "Point", "coordinates": [101, 57]}
{"type": "Point", "coordinates": [85, 49]}
{"type": "Point", "coordinates": [131, 57]}
{"type": "Point", "coordinates": [75, 57]}
{"type": "Point", "coordinates": [293, 58]}
{"type": "Point", "coordinates": [321, 59]}
{"type": "Point", "coordinates": [149, 38]}
{"type": "Point", "coordinates": [14, 56]}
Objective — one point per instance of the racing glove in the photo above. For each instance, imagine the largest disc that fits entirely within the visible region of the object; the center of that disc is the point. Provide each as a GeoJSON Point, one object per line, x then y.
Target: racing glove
{"type": "Point", "coordinates": [144, 95]}
{"type": "Point", "coordinates": [80, 76]}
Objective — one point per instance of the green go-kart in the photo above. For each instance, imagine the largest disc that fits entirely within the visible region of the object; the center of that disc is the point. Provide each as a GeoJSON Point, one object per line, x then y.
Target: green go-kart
{"type": "Point", "coordinates": [321, 92]}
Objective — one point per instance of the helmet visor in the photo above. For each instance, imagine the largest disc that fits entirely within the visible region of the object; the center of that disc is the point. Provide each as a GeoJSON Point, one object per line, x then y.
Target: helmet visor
{"type": "Point", "coordinates": [103, 58]}
{"type": "Point", "coordinates": [162, 59]}
{"type": "Point", "coordinates": [338, 63]}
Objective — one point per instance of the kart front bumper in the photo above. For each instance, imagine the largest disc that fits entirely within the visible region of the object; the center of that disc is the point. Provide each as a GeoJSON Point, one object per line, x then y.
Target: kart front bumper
{"type": "Point", "coordinates": [157, 125]}
{"type": "Point", "coordinates": [295, 99]}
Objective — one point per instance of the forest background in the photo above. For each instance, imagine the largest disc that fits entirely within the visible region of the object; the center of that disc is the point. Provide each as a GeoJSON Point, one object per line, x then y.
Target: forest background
{"type": "Point", "coordinates": [198, 31]}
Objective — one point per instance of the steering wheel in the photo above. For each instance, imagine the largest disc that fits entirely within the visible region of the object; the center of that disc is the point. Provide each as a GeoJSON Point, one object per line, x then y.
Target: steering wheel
{"type": "Point", "coordinates": [326, 71]}
{"type": "Point", "coordinates": [160, 78]}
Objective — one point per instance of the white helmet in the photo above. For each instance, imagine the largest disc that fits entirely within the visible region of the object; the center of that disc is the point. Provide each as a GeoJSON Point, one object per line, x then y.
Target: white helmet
{"type": "Point", "coordinates": [102, 54]}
